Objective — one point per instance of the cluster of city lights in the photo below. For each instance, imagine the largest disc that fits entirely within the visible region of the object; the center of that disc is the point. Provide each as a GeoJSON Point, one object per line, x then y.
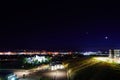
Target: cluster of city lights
{"type": "Point", "coordinates": [57, 66]}
{"type": "Point", "coordinates": [38, 59]}
{"type": "Point", "coordinates": [30, 53]}
{"type": "Point", "coordinates": [89, 53]}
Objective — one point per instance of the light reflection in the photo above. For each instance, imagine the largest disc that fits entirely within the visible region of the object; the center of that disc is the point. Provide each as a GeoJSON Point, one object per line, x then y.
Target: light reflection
{"type": "Point", "coordinates": [57, 73]}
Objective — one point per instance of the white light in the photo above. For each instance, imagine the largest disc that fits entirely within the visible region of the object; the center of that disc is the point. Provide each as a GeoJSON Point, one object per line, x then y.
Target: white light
{"type": "Point", "coordinates": [36, 58]}
{"type": "Point", "coordinates": [57, 66]}
{"type": "Point", "coordinates": [13, 78]}
{"type": "Point", "coordinates": [61, 67]}
{"type": "Point", "coordinates": [89, 53]}
{"type": "Point", "coordinates": [102, 58]}
{"type": "Point", "coordinates": [106, 37]}
{"type": "Point", "coordinates": [53, 67]}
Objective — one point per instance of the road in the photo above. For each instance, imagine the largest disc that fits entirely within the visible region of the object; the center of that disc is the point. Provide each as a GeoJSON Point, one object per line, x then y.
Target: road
{"type": "Point", "coordinates": [21, 72]}
{"type": "Point", "coordinates": [56, 75]}
{"type": "Point", "coordinates": [48, 74]}
{"type": "Point", "coordinates": [40, 72]}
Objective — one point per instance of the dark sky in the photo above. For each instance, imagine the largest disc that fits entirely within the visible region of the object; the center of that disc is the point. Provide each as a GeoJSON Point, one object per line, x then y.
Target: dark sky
{"type": "Point", "coordinates": [61, 25]}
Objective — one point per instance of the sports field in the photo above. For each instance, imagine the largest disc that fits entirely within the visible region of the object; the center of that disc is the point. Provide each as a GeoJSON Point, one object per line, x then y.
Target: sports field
{"type": "Point", "coordinates": [92, 68]}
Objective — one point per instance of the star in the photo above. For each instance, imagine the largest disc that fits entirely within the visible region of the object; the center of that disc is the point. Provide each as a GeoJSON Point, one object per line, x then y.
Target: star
{"type": "Point", "coordinates": [106, 37]}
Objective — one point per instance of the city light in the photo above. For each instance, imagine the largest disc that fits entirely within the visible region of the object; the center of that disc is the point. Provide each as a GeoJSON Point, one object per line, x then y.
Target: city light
{"type": "Point", "coordinates": [105, 59]}
{"type": "Point", "coordinates": [38, 59]}
{"type": "Point", "coordinates": [12, 77]}
{"type": "Point", "coordinates": [53, 68]}
{"type": "Point", "coordinates": [89, 53]}
{"type": "Point", "coordinates": [57, 66]}
{"type": "Point", "coordinates": [32, 53]}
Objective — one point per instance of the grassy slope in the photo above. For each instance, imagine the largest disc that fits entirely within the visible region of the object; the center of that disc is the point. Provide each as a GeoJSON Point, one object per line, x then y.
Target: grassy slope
{"type": "Point", "coordinates": [90, 69]}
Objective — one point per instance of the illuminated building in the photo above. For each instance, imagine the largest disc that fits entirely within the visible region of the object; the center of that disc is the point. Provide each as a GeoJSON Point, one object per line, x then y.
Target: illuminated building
{"type": "Point", "coordinates": [32, 60]}
{"type": "Point", "coordinates": [115, 53]}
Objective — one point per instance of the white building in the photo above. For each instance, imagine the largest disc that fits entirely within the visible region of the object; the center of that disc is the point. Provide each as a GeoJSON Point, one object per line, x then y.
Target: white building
{"type": "Point", "coordinates": [115, 55]}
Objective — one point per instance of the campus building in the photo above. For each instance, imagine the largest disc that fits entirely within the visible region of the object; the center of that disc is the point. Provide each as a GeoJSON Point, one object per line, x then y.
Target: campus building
{"type": "Point", "coordinates": [115, 55]}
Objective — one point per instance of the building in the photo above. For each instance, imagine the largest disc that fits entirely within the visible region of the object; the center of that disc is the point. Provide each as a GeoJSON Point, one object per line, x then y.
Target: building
{"type": "Point", "coordinates": [114, 54]}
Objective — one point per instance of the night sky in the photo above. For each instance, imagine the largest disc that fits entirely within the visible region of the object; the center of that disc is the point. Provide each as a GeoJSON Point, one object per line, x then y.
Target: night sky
{"type": "Point", "coordinates": [52, 26]}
